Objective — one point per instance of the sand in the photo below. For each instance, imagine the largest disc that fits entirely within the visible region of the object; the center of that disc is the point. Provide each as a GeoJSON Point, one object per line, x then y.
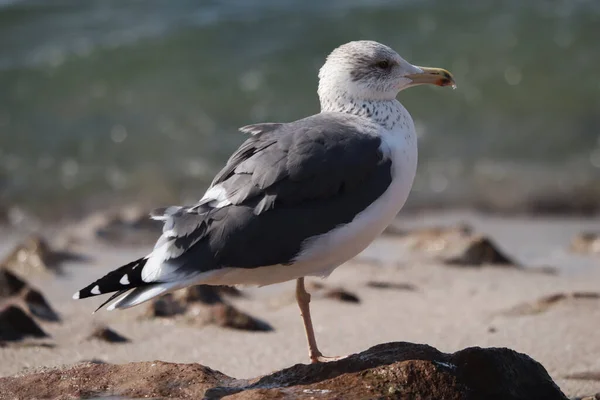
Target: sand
{"type": "Point", "coordinates": [450, 308]}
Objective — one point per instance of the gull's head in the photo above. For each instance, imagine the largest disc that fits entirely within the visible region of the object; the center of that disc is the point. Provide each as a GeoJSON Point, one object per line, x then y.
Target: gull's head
{"type": "Point", "coordinates": [367, 70]}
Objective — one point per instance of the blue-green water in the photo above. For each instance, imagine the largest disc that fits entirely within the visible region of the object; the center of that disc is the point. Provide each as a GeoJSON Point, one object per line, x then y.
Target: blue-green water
{"type": "Point", "coordinates": [112, 101]}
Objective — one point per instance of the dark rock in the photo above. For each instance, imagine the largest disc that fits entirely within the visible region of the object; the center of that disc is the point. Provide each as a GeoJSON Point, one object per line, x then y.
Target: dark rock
{"type": "Point", "coordinates": [481, 251]}
{"type": "Point", "coordinates": [391, 285]}
{"type": "Point", "coordinates": [165, 306]}
{"type": "Point", "coordinates": [202, 305]}
{"type": "Point", "coordinates": [341, 295]}
{"type": "Point", "coordinates": [586, 243]}
{"type": "Point", "coordinates": [436, 238]}
{"type": "Point", "coordinates": [106, 334]}
{"type": "Point", "coordinates": [586, 376]}
{"type": "Point", "coordinates": [388, 371]}
{"type": "Point", "coordinates": [545, 303]}
{"type": "Point", "coordinates": [127, 226]}
{"type": "Point", "coordinates": [16, 324]}
{"type": "Point", "coordinates": [10, 284]}
{"type": "Point", "coordinates": [38, 306]}
{"type": "Point", "coordinates": [227, 316]}
{"type": "Point", "coordinates": [34, 255]}
{"type": "Point", "coordinates": [592, 397]}
{"type": "Point", "coordinates": [204, 294]}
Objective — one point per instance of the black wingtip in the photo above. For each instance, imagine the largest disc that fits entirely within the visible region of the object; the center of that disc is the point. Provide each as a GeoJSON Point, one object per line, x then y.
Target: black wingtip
{"type": "Point", "coordinates": [126, 277]}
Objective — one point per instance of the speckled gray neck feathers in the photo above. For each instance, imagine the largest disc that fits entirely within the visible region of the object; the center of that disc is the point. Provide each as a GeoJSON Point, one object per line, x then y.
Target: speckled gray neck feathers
{"type": "Point", "coordinates": [386, 113]}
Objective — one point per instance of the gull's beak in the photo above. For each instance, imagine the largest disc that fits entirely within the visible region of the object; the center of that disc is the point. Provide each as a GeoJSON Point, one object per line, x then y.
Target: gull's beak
{"type": "Point", "coordinates": [431, 76]}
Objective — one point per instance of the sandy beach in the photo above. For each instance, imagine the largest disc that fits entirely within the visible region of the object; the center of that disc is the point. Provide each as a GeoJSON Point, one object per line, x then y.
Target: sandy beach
{"type": "Point", "coordinates": [448, 307]}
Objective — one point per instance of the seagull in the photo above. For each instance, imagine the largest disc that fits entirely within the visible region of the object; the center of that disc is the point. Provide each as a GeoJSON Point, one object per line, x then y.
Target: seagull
{"type": "Point", "coordinates": [296, 199]}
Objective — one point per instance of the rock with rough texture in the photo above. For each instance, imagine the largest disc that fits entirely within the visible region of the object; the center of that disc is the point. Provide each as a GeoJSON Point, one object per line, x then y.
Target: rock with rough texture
{"type": "Point", "coordinates": [391, 285]}
{"type": "Point", "coordinates": [38, 306]}
{"type": "Point", "coordinates": [15, 290]}
{"type": "Point", "coordinates": [586, 243]}
{"type": "Point", "coordinates": [10, 284]}
{"type": "Point", "coordinates": [106, 334]}
{"type": "Point", "coordinates": [16, 324]}
{"type": "Point", "coordinates": [34, 255]}
{"type": "Point", "coordinates": [387, 371]}
{"type": "Point", "coordinates": [203, 305]}
{"type": "Point", "coordinates": [480, 250]}
{"type": "Point", "coordinates": [545, 303]}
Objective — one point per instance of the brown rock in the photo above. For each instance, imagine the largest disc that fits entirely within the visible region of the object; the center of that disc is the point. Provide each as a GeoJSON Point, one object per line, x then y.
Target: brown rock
{"type": "Point", "coordinates": [202, 305]}
{"type": "Point", "coordinates": [165, 306]}
{"type": "Point", "coordinates": [38, 306]}
{"type": "Point", "coordinates": [227, 316]}
{"type": "Point", "coordinates": [10, 284]}
{"type": "Point", "coordinates": [106, 334]}
{"type": "Point", "coordinates": [545, 303]}
{"type": "Point", "coordinates": [16, 290]}
{"type": "Point", "coordinates": [204, 294]}
{"type": "Point", "coordinates": [391, 285]}
{"type": "Point", "coordinates": [127, 226]}
{"type": "Point", "coordinates": [481, 251]}
{"type": "Point", "coordinates": [388, 371]}
{"type": "Point", "coordinates": [34, 255]}
{"type": "Point", "coordinates": [436, 238]}
{"type": "Point", "coordinates": [16, 324]}
{"type": "Point", "coordinates": [586, 243]}
{"type": "Point", "coordinates": [341, 295]}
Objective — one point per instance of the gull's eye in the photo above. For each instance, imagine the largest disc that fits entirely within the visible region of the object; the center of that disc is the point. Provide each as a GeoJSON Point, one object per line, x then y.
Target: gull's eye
{"type": "Point", "coordinates": [383, 64]}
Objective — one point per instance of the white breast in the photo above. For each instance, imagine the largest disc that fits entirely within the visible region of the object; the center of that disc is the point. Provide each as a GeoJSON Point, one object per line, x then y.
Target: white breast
{"type": "Point", "coordinates": [341, 244]}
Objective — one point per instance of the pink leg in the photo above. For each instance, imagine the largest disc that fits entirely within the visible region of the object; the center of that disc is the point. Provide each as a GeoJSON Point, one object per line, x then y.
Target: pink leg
{"type": "Point", "coordinates": [303, 299]}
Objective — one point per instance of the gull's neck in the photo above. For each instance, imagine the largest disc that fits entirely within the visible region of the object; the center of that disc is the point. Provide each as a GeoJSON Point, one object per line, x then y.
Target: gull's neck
{"type": "Point", "coordinates": [387, 113]}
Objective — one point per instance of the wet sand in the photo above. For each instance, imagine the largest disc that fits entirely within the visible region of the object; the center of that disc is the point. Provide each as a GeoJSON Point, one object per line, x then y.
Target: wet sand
{"type": "Point", "coordinates": [447, 307]}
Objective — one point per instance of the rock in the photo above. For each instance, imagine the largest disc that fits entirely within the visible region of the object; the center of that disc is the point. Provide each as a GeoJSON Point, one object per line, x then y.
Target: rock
{"type": "Point", "coordinates": [127, 226]}
{"type": "Point", "coordinates": [202, 305]}
{"type": "Point", "coordinates": [204, 294]}
{"type": "Point", "coordinates": [164, 307]}
{"type": "Point", "coordinates": [391, 285]}
{"type": "Point", "coordinates": [10, 284]}
{"type": "Point", "coordinates": [436, 238]}
{"type": "Point", "coordinates": [319, 289]}
{"type": "Point", "coordinates": [586, 243]}
{"type": "Point", "coordinates": [15, 289]}
{"type": "Point", "coordinates": [227, 316]}
{"type": "Point", "coordinates": [387, 371]}
{"type": "Point", "coordinates": [481, 251]}
{"type": "Point", "coordinates": [545, 303]}
{"type": "Point", "coordinates": [341, 295]}
{"type": "Point", "coordinates": [106, 334]}
{"type": "Point", "coordinates": [16, 324]}
{"type": "Point", "coordinates": [38, 306]}
{"type": "Point", "coordinates": [592, 397]}
{"type": "Point", "coordinates": [34, 255]}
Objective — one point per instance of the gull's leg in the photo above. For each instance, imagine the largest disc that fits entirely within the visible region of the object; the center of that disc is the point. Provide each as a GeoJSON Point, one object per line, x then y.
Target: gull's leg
{"type": "Point", "coordinates": [303, 299]}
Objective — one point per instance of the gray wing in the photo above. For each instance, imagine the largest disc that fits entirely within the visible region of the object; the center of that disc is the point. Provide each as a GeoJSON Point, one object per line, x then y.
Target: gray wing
{"type": "Point", "coordinates": [284, 185]}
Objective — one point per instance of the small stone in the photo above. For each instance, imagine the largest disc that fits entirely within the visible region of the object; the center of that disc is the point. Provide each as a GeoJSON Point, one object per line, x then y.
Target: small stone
{"type": "Point", "coordinates": [34, 255]}
{"type": "Point", "coordinates": [586, 243]}
{"type": "Point", "coordinates": [391, 285]}
{"type": "Point", "coordinates": [16, 324]}
{"type": "Point", "coordinates": [545, 303]}
{"type": "Point", "coordinates": [106, 334]}
{"type": "Point", "coordinates": [342, 295]}
{"type": "Point", "coordinates": [204, 294]}
{"type": "Point", "coordinates": [165, 306]}
{"type": "Point", "coordinates": [38, 306]}
{"type": "Point", "coordinates": [481, 251]}
{"type": "Point", "coordinates": [226, 315]}
{"type": "Point", "coordinates": [10, 284]}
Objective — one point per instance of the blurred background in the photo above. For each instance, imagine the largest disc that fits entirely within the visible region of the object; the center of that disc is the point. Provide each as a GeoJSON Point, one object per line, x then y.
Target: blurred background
{"type": "Point", "coordinates": [108, 102]}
